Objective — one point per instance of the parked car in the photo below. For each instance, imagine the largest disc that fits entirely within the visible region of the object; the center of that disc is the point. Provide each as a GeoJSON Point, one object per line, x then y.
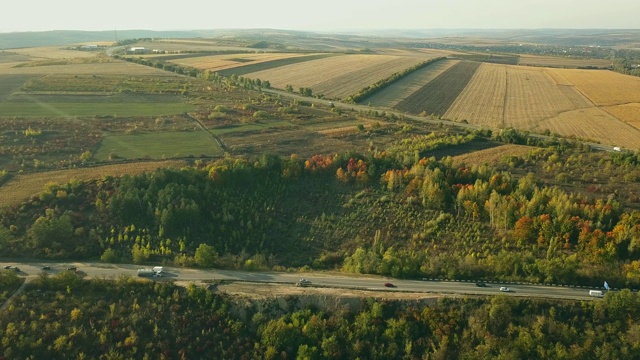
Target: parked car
{"type": "Point", "coordinates": [46, 267]}
{"type": "Point", "coordinates": [389, 285]}
{"type": "Point", "coordinates": [504, 289]}
{"type": "Point", "coordinates": [481, 284]}
{"type": "Point", "coordinates": [72, 268]}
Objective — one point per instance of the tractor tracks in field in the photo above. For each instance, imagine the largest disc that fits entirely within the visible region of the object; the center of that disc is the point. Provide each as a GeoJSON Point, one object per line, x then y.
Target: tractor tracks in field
{"type": "Point", "coordinates": [215, 137]}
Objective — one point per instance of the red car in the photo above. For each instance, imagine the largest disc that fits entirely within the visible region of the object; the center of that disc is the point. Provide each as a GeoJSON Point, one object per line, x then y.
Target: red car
{"type": "Point", "coordinates": [389, 285]}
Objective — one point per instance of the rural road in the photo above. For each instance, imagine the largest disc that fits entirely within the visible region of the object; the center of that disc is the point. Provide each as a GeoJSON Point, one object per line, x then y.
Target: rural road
{"type": "Point", "coordinates": [317, 279]}
{"type": "Point", "coordinates": [365, 108]}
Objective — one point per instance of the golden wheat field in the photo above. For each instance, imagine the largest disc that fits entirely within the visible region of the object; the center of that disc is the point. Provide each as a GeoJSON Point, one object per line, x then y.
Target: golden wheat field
{"type": "Point", "coordinates": [52, 52]}
{"type": "Point", "coordinates": [22, 187]}
{"type": "Point", "coordinates": [629, 113]}
{"type": "Point", "coordinates": [513, 96]}
{"type": "Point", "coordinates": [532, 96]}
{"type": "Point", "coordinates": [336, 76]}
{"type": "Point", "coordinates": [593, 124]}
{"type": "Point", "coordinates": [406, 86]}
{"type": "Point", "coordinates": [482, 100]}
{"type": "Point", "coordinates": [229, 61]}
{"type": "Point", "coordinates": [602, 87]}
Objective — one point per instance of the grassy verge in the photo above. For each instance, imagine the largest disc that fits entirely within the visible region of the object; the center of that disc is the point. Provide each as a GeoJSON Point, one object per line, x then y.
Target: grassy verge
{"type": "Point", "coordinates": [92, 109]}
{"type": "Point", "coordinates": [157, 145]}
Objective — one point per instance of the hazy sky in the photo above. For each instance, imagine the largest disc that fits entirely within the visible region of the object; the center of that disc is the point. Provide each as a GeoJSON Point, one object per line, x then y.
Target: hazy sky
{"type": "Point", "coordinates": [38, 15]}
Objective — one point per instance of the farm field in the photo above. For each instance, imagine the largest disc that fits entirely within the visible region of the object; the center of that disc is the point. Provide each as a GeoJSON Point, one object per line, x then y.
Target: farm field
{"type": "Point", "coordinates": [492, 155]}
{"type": "Point", "coordinates": [555, 61]}
{"type": "Point", "coordinates": [593, 124]}
{"type": "Point", "coordinates": [629, 113]}
{"type": "Point", "coordinates": [24, 186]}
{"type": "Point", "coordinates": [394, 93]}
{"type": "Point", "coordinates": [97, 69]}
{"type": "Point", "coordinates": [157, 145]}
{"type": "Point", "coordinates": [227, 61]}
{"type": "Point", "coordinates": [602, 87]}
{"type": "Point", "coordinates": [437, 95]}
{"type": "Point", "coordinates": [482, 100]}
{"type": "Point", "coordinates": [336, 76]}
{"type": "Point", "coordinates": [60, 109]}
{"type": "Point", "coordinates": [257, 126]}
{"type": "Point", "coordinates": [532, 96]}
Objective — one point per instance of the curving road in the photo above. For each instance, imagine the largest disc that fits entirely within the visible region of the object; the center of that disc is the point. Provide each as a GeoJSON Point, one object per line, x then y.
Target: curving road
{"type": "Point", "coordinates": [316, 278]}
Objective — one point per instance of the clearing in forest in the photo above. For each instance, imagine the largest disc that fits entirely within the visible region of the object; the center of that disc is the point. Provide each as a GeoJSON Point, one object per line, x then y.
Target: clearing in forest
{"type": "Point", "coordinates": [23, 186]}
{"type": "Point", "coordinates": [492, 155]}
{"type": "Point", "coordinates": [391, 95]}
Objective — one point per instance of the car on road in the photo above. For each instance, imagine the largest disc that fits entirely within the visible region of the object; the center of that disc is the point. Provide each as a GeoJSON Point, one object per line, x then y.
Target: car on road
{"type": "Point", "coordinates": [6, 267]}
{"type": "Point", "coordinates": [46, 267]}
{"type": "Point", "coordinates": [481, 284]}
{"type": "Point", "coordinates": [504, 289]}
{"type": "Point", "coordinates": [390, 285]}
{"type": "Point", "coordinates": [72, 268]}
{"type": "Point", "coordinates": [304, 282]}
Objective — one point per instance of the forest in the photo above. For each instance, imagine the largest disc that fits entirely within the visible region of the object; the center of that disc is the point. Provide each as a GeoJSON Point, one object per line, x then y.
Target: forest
{"type": "Point", "coordinates": [559, 214]}
{"type": "Point", "coordinates": [67, 317]}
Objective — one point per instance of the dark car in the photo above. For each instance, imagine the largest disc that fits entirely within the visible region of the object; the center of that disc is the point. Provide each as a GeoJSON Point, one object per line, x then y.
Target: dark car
{"type": "Point", "coordinates": [389, 285]}
{"type": "Point", "coordinates": [46, 267]}
{"type": "Point", "coordinates": [16, 269]}
{"type": "Point", "coordinates": [7, 267]}
{"type": "Point", "coordinates": [481, 284]}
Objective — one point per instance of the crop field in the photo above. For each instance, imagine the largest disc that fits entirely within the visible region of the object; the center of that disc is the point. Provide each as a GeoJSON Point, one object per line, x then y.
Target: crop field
{"type": "Point", "coordinates": [490, 58]}
{"type": "Point", "coordinates": [24, 186]}
{"type": "Point", "coordinates": [492, 155]}
{"type": "Point", "coordinates": [226, 61]}
{"type": "Point", "coordinates": [394, 93]}
{"type": "Point", "coordinates": [157, 145]}
{"type": "Point", "coordinates": [257, 126]}
{"type": "Point", "coordinates": [437, 96]}
{"type": "Point", "coordinates": [482, 100]}
{"type": "Point", "coordinates": [97, 69]}
{"type": "Point", "coordinates": [60, 109]}
{"type": "Point", "coordinates": [52, 52]}
{"type": "Point", "coordinates": [336, 76]}
{"type": "Point", "coordinates": [242, 70]}
{"type": "Point", "coordinates": [629, 113]}
{"type": "Point", "coordinates": [602, 87]}
{"type": "Point", "coordinates": [513, 96]}
{"type": "Point", "coordinates": [11, 83]}
{"type": "Point", "coordinates": [105, 84]}
{"type": "Point", "coordinates": [532, 96]}
{"type": "Point", "coordinates": [562, 62]}
{"type": "Point", "coordinates": [593, 124]}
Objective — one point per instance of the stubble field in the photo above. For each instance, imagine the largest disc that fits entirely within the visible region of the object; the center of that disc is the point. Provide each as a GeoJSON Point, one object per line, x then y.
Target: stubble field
{"type": "Point", "coordinates": [337, 76]}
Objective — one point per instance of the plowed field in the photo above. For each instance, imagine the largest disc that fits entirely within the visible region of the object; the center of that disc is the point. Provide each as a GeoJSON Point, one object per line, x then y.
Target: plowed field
{"type": "Point", "coordinates": [394, 93]}
{"type": "Point", "coordinates": [221, 62]}
{"type": "Point", "coordinates": [437, 96]}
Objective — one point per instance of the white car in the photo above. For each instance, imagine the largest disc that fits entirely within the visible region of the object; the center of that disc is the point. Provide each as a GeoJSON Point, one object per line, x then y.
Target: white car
{"type": "Point", "coordinates": [504, 289]}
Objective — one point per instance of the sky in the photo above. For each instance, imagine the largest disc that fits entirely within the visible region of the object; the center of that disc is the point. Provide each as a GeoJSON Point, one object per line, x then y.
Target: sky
{"type": "Point", "coordinates": [325, 15]}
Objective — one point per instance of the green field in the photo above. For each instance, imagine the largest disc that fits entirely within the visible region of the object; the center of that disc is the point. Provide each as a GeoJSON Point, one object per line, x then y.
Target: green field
{"type": "Point", "coordinates": [157, 145]}
{"type": "Point", "coordinates": [251, 127]}
{"type": "Point", "coordinates": [54, 109]}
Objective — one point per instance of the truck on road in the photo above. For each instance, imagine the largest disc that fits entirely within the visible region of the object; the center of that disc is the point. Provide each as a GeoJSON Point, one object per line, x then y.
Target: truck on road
{"type": "Point", "coordinates": [147, 273]}
{"type": "Point", "coordinates": [596, 293]}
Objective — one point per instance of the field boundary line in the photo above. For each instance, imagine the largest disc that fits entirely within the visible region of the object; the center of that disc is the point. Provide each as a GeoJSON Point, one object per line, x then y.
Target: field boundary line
{"type": "Point", "coordinates": [215, 137]}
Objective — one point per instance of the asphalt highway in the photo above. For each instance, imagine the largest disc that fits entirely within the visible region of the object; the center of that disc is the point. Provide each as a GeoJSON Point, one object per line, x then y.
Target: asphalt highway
{"type": "Point", "coordinates": [367, 282]}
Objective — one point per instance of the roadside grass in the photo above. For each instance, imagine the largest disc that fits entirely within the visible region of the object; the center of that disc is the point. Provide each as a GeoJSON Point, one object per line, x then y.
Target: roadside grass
{"type": "Point", "coordinates": [57, 109]}
{"type": "Point", "coordinates": [157, 145]}
{"type": "Point", "coordinates": [251, 127]}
